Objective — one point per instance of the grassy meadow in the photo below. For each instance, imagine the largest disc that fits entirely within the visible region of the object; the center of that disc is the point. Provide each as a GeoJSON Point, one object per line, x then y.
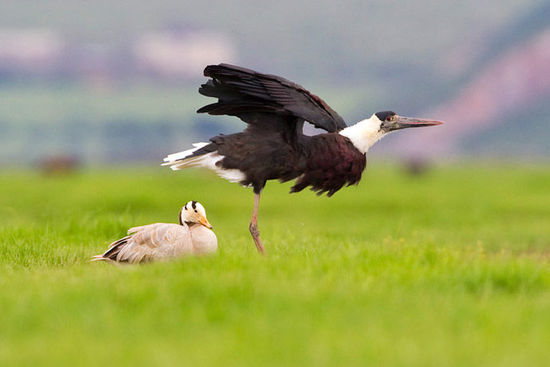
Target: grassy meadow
{"type": "Point", "coordinates": [451, 268]}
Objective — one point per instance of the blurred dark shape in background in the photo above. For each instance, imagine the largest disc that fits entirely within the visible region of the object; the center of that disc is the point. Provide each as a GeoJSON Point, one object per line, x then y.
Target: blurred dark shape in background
{"type": "Point", "coordinates": [57, 165]}
{"type": "Point", "coordinates": [416, 166]}
{"type": "Point", "coordinates": [113, 83]}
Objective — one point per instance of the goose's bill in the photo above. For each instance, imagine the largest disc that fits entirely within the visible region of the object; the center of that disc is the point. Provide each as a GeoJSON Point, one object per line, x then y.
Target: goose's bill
{"type": "Point", "coordinates": [406, 122]}
{"type": "Point", "coordinates": [204, 222]}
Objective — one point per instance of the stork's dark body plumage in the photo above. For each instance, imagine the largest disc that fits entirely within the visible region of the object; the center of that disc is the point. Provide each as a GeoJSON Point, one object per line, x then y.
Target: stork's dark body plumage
{"type": "Point", "coordinates": [273, 145]}
{"type": "Point", "coordinates": [325, 162]}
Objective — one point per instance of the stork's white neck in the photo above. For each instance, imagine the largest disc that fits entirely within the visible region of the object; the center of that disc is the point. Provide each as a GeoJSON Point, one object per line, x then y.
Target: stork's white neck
{"type": "Point", "coordinates": [365, 133]}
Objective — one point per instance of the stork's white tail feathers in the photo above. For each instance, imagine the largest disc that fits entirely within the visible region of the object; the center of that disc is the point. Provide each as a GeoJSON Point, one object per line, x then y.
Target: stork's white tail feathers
{"type": "Point", "coordinates": [171, 159]}
{"type": "Point", "coordinates": [185, 159]}
{"type": "Point", "coordinates": [177, 160]}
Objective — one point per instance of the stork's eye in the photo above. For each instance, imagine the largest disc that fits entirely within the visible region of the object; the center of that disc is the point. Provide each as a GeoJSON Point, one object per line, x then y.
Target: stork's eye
{"type": "Point", "coordinates": [391, 118]}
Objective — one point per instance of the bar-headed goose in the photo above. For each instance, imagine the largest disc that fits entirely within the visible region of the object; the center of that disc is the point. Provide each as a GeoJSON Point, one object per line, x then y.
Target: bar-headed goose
{"type": "Point", "coordinates": [161, 241]}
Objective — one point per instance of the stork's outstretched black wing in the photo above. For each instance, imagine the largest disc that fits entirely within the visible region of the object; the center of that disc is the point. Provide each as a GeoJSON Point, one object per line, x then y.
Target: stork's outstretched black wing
{"type": "Point", "coordinates": [246, 93]}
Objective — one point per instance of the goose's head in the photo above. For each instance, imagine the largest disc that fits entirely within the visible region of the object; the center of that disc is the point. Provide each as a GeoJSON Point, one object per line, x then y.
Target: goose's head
{"type": "Point", "coordinates": [193, 212]}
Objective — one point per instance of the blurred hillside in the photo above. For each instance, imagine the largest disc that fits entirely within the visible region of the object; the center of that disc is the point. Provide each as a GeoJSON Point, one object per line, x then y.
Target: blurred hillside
{"type": "Point", "coordinates": [108, 81]}
{"type": "Point", "coordinates": [501, 107]}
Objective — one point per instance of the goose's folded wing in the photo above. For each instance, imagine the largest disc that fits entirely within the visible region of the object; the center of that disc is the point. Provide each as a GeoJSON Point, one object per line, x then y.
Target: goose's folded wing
{"type": "Point", "coordinates": [158, 240]}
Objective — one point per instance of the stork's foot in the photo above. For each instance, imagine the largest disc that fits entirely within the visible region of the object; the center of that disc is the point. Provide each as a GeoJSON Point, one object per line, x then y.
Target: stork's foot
{"type": "Point", "coordinates": [256, 237]}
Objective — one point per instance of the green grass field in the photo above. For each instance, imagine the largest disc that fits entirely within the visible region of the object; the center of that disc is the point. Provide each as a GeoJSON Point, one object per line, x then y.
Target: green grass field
{"type": "Point", "coordinates": [448, 269]}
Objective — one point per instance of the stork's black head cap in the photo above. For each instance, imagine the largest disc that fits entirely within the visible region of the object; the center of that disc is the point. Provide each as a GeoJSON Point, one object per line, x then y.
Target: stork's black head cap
{"type": "Point", "coordinates": [383, 115]}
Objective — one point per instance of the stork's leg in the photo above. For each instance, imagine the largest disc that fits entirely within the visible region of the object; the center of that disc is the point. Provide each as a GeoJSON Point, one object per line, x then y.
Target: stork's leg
{"type": "Point", "coordinates": [254, 225]}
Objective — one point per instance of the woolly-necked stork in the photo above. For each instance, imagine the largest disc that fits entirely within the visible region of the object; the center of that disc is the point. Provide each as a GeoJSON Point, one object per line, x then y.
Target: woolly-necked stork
{"type": "Point", "coordinates": [273, 145]}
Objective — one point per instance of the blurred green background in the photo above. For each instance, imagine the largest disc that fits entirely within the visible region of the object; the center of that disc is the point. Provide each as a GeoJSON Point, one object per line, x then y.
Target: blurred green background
{"type": "Point", "coordinates": [449, 268]}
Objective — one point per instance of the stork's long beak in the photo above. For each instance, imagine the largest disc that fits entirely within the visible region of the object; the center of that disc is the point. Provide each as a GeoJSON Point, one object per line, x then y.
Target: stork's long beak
{"type": "Point", "coordinates": [405, 122]}
{"type": "Point", "coordinates": [204, 222]}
